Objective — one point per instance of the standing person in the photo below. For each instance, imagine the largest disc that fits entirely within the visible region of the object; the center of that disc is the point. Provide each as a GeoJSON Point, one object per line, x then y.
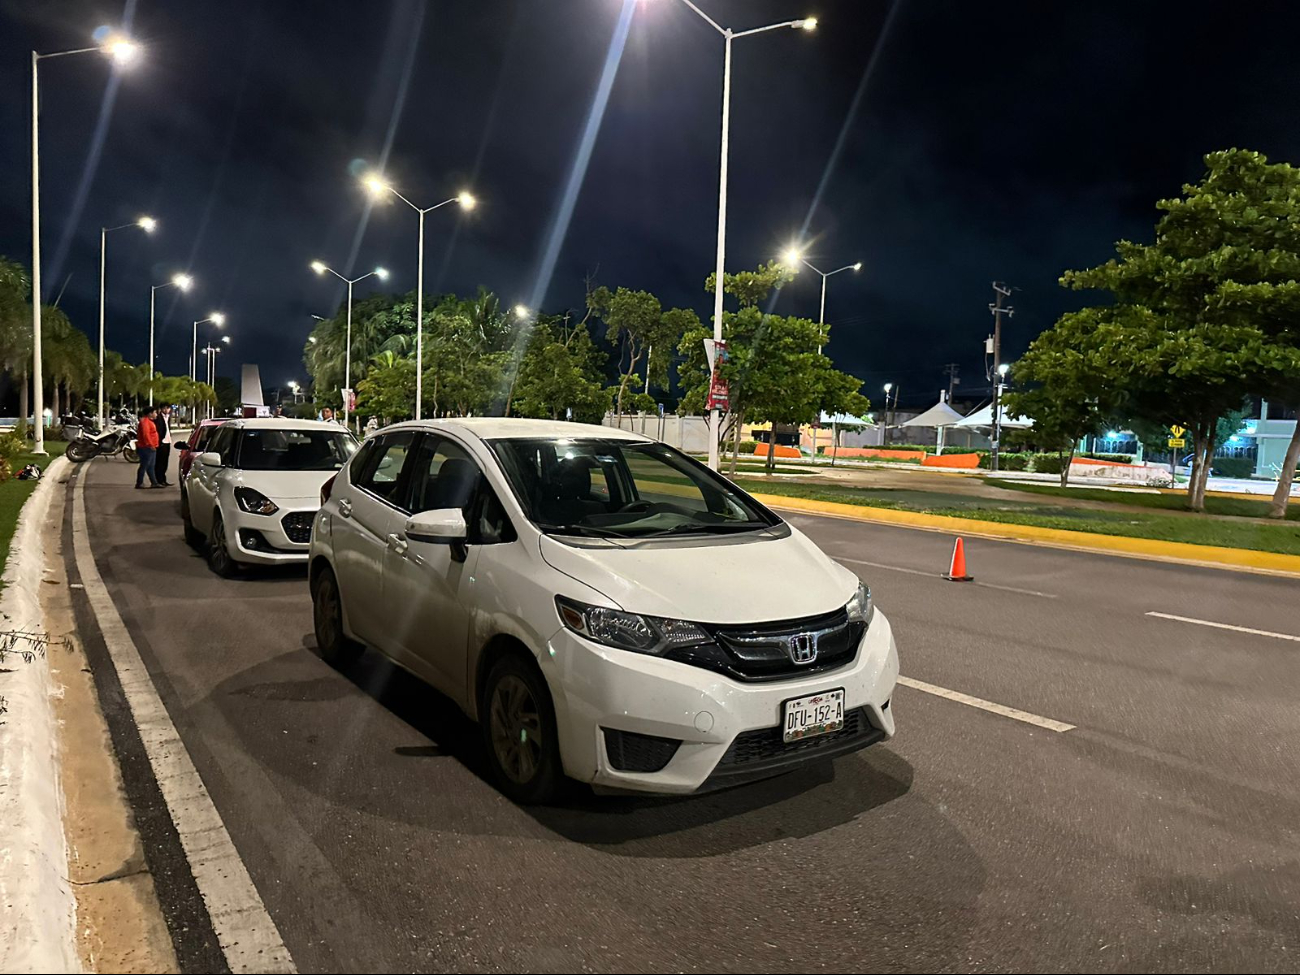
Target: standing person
{"type": "Point", "coordinates": [146, 445]}
{"type": "Point", "coordinates": [372, 426]}
{"type": "Point", "coordinates": [163, 423]}
{"type": "Point", "coordinates": [327, 415]}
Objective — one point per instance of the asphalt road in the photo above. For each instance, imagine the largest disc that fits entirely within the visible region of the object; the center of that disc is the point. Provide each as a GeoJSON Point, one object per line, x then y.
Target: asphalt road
{"type": "Point", "coordinates": [1160, 834]}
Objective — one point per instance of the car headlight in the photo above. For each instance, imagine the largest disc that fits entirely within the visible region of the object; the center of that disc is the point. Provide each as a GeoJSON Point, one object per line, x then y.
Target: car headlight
{"type": "Point", "coordinates": [255, 502]}
{"type": "Point", "coordinates": [628, 631]}
{"type": "Point", "coordinates": [860, 608]}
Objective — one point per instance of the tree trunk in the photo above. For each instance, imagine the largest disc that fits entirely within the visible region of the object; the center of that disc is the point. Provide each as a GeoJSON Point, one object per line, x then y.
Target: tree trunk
{"type": "Point", "coordinates": [738, 422]}
{"type": "Point", "coordinates": [1065, 466]}
{"type": "Point", "coordinates": [1203, 452]}
{"type": "Point", "coordinates": [771, 450]}
{"type": "Point", "coordinates": [24, 403]}
{"type": "Point", "coordinates": [54, 402]}
{"type": "Point", "coordinates": [1286, 475]}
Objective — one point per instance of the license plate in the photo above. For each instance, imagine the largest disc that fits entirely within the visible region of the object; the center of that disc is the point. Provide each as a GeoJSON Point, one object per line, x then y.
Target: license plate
{"type": "Point", "coordinates": [817, 714]}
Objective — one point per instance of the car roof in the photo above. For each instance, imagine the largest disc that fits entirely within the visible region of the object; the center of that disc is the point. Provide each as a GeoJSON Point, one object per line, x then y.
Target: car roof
{"type": "Point", "coordinates": [507, 427]}
{"type": "Point", "coordinates": [283, 423]}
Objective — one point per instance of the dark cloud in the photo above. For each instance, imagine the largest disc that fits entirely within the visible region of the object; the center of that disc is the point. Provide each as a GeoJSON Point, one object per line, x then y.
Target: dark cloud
{"type": "Point", "coordinates": [993, 140]}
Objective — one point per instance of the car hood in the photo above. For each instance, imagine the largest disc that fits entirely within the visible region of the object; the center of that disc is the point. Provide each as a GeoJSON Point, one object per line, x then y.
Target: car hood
{"type": "Point", "coordinates": [284, 486]}
{"type": "Point", "coordinates": [717, 579]}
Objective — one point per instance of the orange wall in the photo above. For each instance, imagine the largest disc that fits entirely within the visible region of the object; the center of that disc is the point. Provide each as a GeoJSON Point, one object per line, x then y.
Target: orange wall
{"type": "Point", "coordinates": [876, 452]}
{"type": "Point", "coordinates": [760, 450]}
{"type": "Point", "coordinates": [952, 460]}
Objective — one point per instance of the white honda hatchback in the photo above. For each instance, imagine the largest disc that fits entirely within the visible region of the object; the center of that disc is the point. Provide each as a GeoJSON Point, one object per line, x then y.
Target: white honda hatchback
{"type": "Point", "coordinates": [604, 606]}
{"type": "Point", "coordinates": [251, 497]}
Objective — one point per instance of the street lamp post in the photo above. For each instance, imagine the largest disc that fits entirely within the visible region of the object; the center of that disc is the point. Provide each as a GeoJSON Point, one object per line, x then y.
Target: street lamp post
{"type": "Point", "coordinates": [182, 281]}
{"type": "Point", "coordinates": [122, 50]}
{"type": "Point", "coordinates": [217, 319]}
{"type": "Point", "coordinates": [889, 410]}
{"type": "Point", "coordinates": [148, 225]}
{"type": "Point", "coordinates": [377, 186]}
{"type": "Point", "coordinates": [321, 268]}
{"type": "Point", "coordinates": [805, 23]}
{"type": "Point", "coordinates": [211, 352]}
{"type": "Point", "coordinates": [794, 256]}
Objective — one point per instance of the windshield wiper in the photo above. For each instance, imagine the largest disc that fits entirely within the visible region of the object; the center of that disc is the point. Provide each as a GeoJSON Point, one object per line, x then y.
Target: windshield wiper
{"type": "Point", "coordinates": [721, 528]}
{"type": "Point", "coordinates": [586, 531]}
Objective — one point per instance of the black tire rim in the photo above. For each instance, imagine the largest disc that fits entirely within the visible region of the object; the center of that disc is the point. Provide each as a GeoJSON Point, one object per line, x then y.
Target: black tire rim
{"type": "Point", "coordinates": [219, 556]}
{"type": "Point", "coordinates": [327, 613]}
{"type": "Point", "coordinates": [515, 723]}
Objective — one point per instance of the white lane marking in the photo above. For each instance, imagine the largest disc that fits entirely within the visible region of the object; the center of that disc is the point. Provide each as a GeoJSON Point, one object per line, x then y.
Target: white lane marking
{"type": "Point", "coordinates": [1226, 626]}
{"type": "Point", "coordinates": [976, 702]}
{"type": "Point", "coordinates": [933, 575]}
{"type": "Point", "coordinates": [248, 937]}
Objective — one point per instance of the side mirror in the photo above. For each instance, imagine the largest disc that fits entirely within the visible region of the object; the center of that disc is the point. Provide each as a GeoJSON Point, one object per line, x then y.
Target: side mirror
{"type": "Point", "coordinates": [210, 458]}
{"type": "Point", "coordinates": [185, 446]}
{"type": "Point", "coordinates": [438, 525]}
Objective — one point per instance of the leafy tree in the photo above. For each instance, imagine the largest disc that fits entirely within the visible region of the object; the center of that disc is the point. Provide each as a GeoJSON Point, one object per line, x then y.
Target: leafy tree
{"type": "Point", "coordinates": [638, 327]}
{"type": "Point", "coordinates": [69, 364]}
{"type": "Point", "coordinates": [1207, 313]}
{"type": "Point", "coordinates": [1071, 385]}
{"type": "Point", "coordinates": [559, 372]}
{"type": "Point", "coordinates": [389, 388]}
{"type": "Point", "coordinates": [16, 330]}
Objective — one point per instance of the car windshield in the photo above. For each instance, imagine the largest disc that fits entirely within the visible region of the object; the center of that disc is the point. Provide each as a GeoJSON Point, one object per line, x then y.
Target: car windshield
{"type": "Point", "coordinates": [623, 489]}
{"type": "Point", "coordinates": [294, 450]}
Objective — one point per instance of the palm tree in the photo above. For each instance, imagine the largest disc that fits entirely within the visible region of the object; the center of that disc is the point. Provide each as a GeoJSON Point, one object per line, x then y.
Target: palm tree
{"type": "Point", "coordinates": [16, 330]}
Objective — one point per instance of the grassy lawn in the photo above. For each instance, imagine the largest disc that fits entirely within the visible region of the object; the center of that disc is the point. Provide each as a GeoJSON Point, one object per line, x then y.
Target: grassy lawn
{"type": "Point", "coordinates": [1239, 507]}
{"type": "Point", "coordinates": [1281, 537]}
{"type": "Point", "coordinates": [14, 492]}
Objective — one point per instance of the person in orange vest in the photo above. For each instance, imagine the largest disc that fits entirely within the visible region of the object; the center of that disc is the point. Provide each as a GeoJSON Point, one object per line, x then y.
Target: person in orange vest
{"type": "Point", "coordinates": [146, 445]}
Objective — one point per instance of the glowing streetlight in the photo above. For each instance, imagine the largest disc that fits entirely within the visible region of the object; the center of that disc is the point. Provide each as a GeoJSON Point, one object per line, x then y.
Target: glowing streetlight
{"type": "Point", "coordinates": [182, 282]}
{"type": "Point", "coordinates": [320, 267]}
{"type": "Point", "coordinates": [889, 410]}
{"type": "Point", "coordinates": [521, 311]}
{"type": "Point", "coordinates": [122, 50]}
{"type": "Point", "coordinates": [728, 35]}
{"type": "Point", "coordinates": [148, 225]}
{"type": "Point", "coordinates": [216, 318]}
{"type": "Point", "coordinates": [793, 256]}
{"type": "Point", "coordinates": [377, 186]}
{"type": "Point", "coordinates": [1003, 369]}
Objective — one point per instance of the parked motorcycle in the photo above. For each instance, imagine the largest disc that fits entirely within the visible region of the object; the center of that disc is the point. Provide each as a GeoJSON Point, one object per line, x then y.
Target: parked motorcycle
{"type": "Point", "coordinates": [119, 438]}
{"type": "Point", "coordinates": [76, 424]}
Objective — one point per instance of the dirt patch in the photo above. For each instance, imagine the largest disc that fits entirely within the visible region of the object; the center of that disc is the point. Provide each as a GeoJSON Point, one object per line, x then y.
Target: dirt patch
{"type": "Point", "coordinates": [120, 927]}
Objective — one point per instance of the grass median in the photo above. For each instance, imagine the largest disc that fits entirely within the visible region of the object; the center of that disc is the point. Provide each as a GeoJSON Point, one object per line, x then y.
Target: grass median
{"type": "Point", "coordinates": [1233, 507]}
{"type": "Point", "coordinates": [1261, 536]}
{"type": "Point", "coordinates": [14, 493]}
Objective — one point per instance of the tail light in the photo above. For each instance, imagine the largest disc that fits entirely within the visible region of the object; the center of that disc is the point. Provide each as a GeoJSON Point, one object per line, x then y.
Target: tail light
{"type": "Point", "coordinates": [326, 488]}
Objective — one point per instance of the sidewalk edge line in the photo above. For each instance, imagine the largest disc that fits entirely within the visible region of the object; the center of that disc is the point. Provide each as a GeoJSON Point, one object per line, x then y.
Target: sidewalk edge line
{"type": "Point", "coordinates": [1151, 549]}
{"type": "Point", "coordinates": [248, 936]}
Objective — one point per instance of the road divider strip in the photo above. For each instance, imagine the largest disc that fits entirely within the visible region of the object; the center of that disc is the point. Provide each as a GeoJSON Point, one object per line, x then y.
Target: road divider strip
{"type": "Point", "coordinates": [1151, 549]}
{"type": "Point", "coordinates": [1225, 626]}
{"type": "Point", "coordinates": [1014, 714]}
{"type": "Point", "coordinates": [248, 937]}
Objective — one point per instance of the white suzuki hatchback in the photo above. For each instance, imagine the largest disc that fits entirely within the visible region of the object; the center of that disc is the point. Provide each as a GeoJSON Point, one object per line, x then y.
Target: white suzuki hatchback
{"type": "Point", "coordinates": [605, 607]}
{"type": "Point", "coordinates": [251, 497]}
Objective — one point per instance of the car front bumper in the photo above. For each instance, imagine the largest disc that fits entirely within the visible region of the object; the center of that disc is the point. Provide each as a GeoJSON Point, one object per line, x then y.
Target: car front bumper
{"type": "Point", "coordinates": [729, 731]}
{"type": "Point", "coordinates": [278, 539]}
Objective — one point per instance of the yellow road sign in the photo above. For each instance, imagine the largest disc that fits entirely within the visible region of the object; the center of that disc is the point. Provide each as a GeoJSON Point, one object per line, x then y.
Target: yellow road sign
{"type": "Point", "coordinates": [1177, 431]}
{"type": "Point", "coordinates": [1177, 442]}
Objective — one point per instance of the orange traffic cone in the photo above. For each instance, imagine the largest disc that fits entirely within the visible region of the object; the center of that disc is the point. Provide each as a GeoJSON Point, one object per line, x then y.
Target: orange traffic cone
{"type": "Point", "coordinates": [957, 571]}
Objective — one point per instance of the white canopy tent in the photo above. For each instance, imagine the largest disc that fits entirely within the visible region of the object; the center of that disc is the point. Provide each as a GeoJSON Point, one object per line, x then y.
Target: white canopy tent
{"type": "Point", "coordinates": [983, 417]}
{"type": "Point", "coordinates": [940, 416]}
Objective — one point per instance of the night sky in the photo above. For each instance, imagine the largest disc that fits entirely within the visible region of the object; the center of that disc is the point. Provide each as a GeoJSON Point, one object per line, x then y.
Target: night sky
{"type": "Point", "coordinates": [1006, 140]}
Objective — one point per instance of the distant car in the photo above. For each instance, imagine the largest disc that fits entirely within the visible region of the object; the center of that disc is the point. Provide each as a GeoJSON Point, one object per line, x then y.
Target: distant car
{"type": "Point", "coordinates": [607, 608]}
{"type": "Point", "coordinates": [252, 495]}
{"type": "Point", "coordinates": [195, 444]}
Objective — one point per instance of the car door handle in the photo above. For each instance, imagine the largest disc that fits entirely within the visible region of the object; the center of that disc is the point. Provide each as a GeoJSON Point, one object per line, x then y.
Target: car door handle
{"type": "Point", "coordinates": [398, 544]}
{"type": "Point", "coordinates": [345, 507]}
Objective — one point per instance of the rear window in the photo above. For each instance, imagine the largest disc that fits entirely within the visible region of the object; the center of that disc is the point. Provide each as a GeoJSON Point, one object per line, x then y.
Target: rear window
{"type": "Point", "coordinates": [293, 449]}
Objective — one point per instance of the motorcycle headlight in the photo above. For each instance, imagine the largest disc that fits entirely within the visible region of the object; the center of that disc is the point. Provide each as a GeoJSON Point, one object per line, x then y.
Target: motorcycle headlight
{"type": "Point", "coordinates": [860, 608]}
{"type": "Point", "coordinates": [255, 502]}
{"type": "Point", "coordinates": [628, 631]}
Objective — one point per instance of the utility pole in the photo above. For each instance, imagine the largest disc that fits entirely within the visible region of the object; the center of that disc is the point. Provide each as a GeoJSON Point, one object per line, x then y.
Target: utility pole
{"type": "Point", "coordinates": [997, 309]}
{"type": "Point", "coordinates": [951, 369]}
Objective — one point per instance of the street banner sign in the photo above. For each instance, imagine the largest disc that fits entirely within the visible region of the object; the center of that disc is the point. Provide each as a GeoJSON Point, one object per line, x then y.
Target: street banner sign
{"type": "Point", "coordinates": [719, 397]}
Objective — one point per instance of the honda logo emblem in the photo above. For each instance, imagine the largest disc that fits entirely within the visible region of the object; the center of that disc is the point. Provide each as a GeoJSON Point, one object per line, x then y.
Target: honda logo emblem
{"type": "Point", "coordinates": [803, 648]}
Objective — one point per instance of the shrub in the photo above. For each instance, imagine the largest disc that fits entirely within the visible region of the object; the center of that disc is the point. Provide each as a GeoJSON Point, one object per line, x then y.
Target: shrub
{"type": "Point", "coordinates": [1113, 458]}
{"type": "Point", "coordinates": [1233, 466]}
{"type": "Point", "coordinates": [1008, 460]}
{"type": "Point", "coordinates": [748, 446]}
{"type": "Point", "coordinates": [12, 444]}
{"type": "Point", "coordinates": [1048, 463]}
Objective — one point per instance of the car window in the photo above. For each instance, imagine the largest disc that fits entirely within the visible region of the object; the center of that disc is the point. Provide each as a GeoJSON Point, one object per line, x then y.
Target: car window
{"type": "Point", "coordinates": [294, 449]}
{"type": "Point", "coordinates": [223, 443]}
{"type": "Point", "coordinates": [381, 468]}
{"type": "Point", "coordinates": [443, 475]}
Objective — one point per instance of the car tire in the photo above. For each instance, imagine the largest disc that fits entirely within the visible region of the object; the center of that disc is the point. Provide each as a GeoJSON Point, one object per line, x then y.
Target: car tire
{"type": "Point", "coordinates": [336, 648]}
{"type": "Point", "coordinates": [519, 732]}
{"type": "Point", "coordinates": [193, 537]}
{"type": "Point", "coordinates": [219, 558]}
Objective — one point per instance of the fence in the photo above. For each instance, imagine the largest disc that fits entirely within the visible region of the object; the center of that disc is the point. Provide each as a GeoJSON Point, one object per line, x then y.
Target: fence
{"type": "Point", "coordinates": [686, 433]}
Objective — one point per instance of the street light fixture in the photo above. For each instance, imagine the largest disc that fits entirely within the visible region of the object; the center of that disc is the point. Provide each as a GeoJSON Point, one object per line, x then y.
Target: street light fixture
{"type": "Point", "coordinates": [377, 187]}
{"type": "Point", "coordinates": [122, 50]}
{"type": "Point", "coordinates": [182, 282]}
{"type": "Point", "coordinates": [148, 225]}
{"type": "Point", "coordinates": [793, 256]}
{"type": "Point", "coordinates": [889, 410]}
{"type": "Point", "coordinates": [521, 311]}
{"type": "Point", "coordinates": [321, 268]}
{"type": "Point", "coordinates": [729, 35]}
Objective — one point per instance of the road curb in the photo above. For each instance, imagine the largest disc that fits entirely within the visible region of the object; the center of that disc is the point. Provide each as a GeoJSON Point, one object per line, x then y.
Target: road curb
{"type": "Point", "coordinates": [38, 930]}
{"type": "Point", "coordinates": [1181, 553]}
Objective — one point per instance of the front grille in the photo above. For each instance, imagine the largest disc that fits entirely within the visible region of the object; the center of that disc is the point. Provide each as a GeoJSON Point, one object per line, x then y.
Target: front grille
{"type": "Point", "coordinates": [297, 525]}
{"type": "Point", "coordinates": [766, 744]}
{"type": "Point", "coordinates": [632, 752]}
{"type": "Point", "coordinates": [761, 651]}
